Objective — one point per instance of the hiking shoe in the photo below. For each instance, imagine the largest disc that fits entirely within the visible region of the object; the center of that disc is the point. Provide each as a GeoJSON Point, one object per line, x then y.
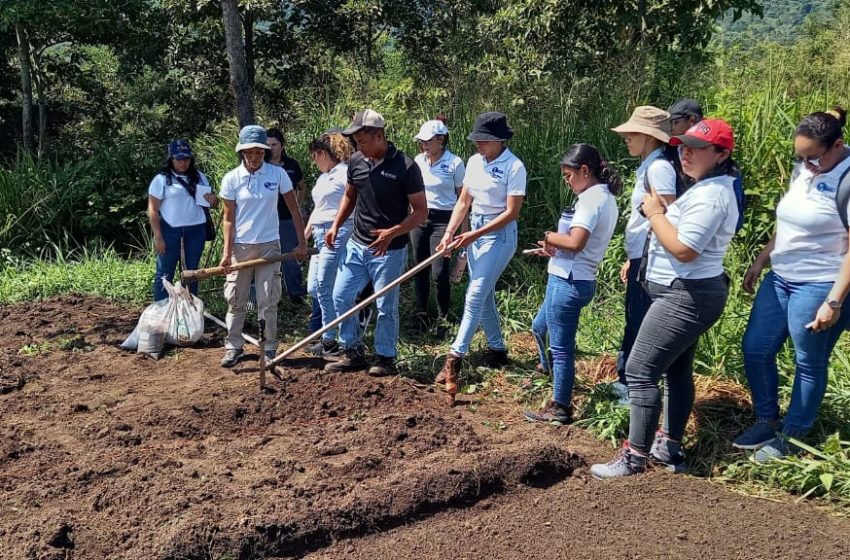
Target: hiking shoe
{"type": "Point", "coordinates": [353, 359]}
{"type": "Point", "coordinates": [621, 391]}
{"type": "Point", "coordinates": [777, 448]}
{"type": "Point", "coordinates": [625, 463]}
{"type": "Point", "coordinates": [756, 436]}
{"type": "Point", "coordinates": [496, 357]}
{"type": "Point", "coordinates": [325, 349]}
{"type": "Point", "coordinates": [668, 454]}
{"type": "Point", "coordinates": [270, 354]}
{"type": "Point", "coordinates": [552, 413]}
{"type": "Point", "coordinates": [231, 357]}
{"type": "Point", "coordinates": [383, 366]}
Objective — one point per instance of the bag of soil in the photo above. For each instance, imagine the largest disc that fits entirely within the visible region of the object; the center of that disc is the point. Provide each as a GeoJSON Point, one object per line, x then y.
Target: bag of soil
{"type": "Point", "coordinates": [177, 320]}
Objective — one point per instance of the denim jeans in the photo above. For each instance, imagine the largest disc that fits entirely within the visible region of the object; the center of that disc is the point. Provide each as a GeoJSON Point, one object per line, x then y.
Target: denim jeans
{"type": "Point", "coordinates": [424, 240]}
{"type": "Point", "coordinates": [315, 321]}
{"type": "Point", "coordinates": [193, 238]}
{"type": "Point", "coordinates": [637, 304]}
{"type": "Point", "coordinates": [558, 316]}
{"type": "Point", "coordinates": [782, 309]}
{"type": "Point", "coordinates": [488, 256]}
{"type": "Point", "coordinates": [359, 266]}
{"type": "Point", "coordinates": [666, 342]}
{"type": "Point", "coordinates": [323, 271]}
{"type": "Point", "coordinates": [291, 269]}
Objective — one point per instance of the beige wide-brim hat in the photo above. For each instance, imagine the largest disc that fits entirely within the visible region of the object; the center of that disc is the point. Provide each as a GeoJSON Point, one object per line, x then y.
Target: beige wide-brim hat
{"type": "Point", "coordinates": [648, 120]}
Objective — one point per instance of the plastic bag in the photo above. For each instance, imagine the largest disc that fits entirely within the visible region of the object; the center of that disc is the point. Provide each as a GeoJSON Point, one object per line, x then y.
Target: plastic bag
{"type": "Point", "coordinates": [177, 320]}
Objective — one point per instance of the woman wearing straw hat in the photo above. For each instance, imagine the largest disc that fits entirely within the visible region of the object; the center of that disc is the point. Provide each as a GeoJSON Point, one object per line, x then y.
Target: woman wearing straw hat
{"type": "Point", "coordinates": [176, 200]}
{"type": "Point", "coordinates": [250, 228]}
{"type": "Point", "coordinates": [442, 173]}
{"type": "Point", "coordinates": [646, 137]}
{"type": "Point", "coordinates": [687, 284]}
{"type": "Point", "coordinates": [493, 191]}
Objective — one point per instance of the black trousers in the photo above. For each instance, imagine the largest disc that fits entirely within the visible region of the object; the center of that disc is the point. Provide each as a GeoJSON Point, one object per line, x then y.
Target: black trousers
{"type": "Point", "coordinates": [425, 239]}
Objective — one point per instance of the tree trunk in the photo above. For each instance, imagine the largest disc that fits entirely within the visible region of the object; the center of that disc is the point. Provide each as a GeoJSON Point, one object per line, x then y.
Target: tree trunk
{"type": "Point", "coordinates": [42, 114]}
{"type": "Point", "coordinates": [239, 82]}
{"type": "Point", "coordinates": [26, 87]}
{"type": "Point", "coordinates": [248, 29]}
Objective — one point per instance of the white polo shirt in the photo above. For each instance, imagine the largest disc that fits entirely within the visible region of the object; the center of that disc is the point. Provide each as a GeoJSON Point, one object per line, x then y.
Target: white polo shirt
{"type": "Point", "coordinates": [177, 207]}
{"type": "Point", "coordinates": [595, 211]}
{"type": "Point", "coordinates": [811, 241]}
{"type": "Point", "coordinates": [327, 194]}
{"type": "Point", "coordinates": [659, 173]}
{"type": "Point", "coordinates": [441, 179]}
{"type": "Point", "coordinates": [705, 217]}
{"type": "Point", "coordinates": [255, 195]}
{"type": "Point", "coordinates": [491, 182]}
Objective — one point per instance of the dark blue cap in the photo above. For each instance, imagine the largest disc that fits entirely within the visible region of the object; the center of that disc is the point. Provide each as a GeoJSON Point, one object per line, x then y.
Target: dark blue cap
{"type": "Point", "coordinates": [179, 149]}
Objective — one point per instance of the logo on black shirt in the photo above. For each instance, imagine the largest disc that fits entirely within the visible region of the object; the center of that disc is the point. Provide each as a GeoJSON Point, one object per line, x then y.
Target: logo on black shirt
{"type": "Point", "coordinates": [388, 175]}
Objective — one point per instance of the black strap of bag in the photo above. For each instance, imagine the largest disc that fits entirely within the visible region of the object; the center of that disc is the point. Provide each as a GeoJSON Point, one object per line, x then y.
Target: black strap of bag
{"type": "Point", "coordinates": [192, 189]}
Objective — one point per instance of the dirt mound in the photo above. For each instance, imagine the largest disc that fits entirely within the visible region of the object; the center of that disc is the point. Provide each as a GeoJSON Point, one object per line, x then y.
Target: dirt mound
{"type": "Point", "coordinates": [107, 453]}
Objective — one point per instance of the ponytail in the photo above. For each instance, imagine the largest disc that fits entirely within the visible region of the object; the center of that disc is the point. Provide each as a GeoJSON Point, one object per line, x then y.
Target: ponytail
{"type": "Point", "coordinates": [825, 127]}
{"type": "Point", "coordinates": [586, 154]}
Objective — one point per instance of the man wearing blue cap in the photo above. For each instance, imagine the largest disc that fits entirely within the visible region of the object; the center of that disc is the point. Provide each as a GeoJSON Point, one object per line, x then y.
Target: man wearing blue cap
{"type": "Point", "coordinates": [250, 228]}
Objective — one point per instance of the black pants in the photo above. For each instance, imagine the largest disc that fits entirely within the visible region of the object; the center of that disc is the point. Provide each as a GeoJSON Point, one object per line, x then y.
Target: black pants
{"type": "Point", "coordinates": [425, 239]}
{"type": "Point", "coordinates": [666, 342]}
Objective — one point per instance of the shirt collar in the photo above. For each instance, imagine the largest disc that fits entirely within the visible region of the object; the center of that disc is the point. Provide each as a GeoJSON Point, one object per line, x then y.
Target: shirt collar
{"type": "Point", "coordinates": [243, 171]}
{"type": "Point", "coordinates": [597, 186]}
{"type": "Point", "coordinates": [506, 154]}
{"type": "Point", "coordinates": [653, 155]}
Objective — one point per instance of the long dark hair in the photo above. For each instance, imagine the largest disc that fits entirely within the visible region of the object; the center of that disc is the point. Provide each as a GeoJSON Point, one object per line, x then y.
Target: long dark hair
{"type": "Point", "coordinates": [825, 127]}
{"type": "Point", "coordinates": [587, 154]}
{"type": "Point", "coordinates": [192, 174]}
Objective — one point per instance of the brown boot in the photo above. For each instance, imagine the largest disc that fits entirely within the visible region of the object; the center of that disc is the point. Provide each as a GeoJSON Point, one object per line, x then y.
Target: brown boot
{"type": "Point", "coordinates": [449, 373]}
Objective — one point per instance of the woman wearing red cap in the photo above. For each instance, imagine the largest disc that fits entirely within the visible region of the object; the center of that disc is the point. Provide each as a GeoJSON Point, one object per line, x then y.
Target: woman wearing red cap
{"type": "Point", "coordinates": [685, 278]}
{"type": "Point", "coordinates": [804, 296]}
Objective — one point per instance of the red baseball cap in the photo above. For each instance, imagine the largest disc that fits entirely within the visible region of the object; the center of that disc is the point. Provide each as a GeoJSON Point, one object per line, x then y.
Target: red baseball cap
{"type": "Point", "coordinates": [707, 132]}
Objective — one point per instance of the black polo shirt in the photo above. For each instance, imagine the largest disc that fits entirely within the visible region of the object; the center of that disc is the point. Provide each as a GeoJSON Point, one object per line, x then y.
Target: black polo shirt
{"type": "Point", "coordinates": [295, 175]}
{"type": "Point", "coordinates": [382, 192]}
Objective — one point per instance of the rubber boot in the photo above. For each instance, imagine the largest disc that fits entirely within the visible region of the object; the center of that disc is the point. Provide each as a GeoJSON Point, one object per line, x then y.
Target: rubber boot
{"type": "Point", "coordinates": [450, 372]}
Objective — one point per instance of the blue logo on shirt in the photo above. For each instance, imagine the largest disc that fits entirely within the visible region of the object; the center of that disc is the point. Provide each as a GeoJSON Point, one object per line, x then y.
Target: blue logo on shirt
{"type": "Point", "coordinates": [824, 187]}
{"type": "Point", "coordinates": [270, 185]}
{"type": "Point", "coordinates": [496, 173]}
{"type": "Point", "coordinates": [444, 167]}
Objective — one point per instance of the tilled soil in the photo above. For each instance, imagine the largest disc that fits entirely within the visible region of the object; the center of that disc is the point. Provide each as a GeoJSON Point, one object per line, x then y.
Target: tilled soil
{"type": "Point", "coordinates": [106, 454]}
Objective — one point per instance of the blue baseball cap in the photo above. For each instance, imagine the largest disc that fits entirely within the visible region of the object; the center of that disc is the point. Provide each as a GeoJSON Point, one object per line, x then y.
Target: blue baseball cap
{"type": "Point", "coordinates": [179, 149]}
{"type": "Point", "coordinates": [252, 136]}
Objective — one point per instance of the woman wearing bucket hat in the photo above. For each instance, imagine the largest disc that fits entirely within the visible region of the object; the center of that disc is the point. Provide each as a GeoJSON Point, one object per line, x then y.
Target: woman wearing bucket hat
{"type": "Point", "coordinates": [688, 287]}
{"type": "Point", "coordinates": [804, 296]}
{"type": "Point", "coordinates": [250, 193]}
{"type": "Point", "coordinates": [574, 252]}
{"type": "Point", "coordinates": [177, 198]}
{"type": "Point", "coordinates": [645, 134]}
{"type": "Point", "coordinates": [442, 174]}
{"type": "Point", "coordinates": [493, 191]}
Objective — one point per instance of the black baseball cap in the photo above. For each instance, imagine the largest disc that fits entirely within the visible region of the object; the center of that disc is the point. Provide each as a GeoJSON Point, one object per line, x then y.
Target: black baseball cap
{"type": "Point", "coordinates": [685, 108]}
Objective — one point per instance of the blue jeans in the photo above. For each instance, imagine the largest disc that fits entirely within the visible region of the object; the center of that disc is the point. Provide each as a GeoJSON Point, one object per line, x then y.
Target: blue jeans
{"type": "Point", "coordinates": [558, 317]}
{"type": "Point", "coordinates": [323, 270]}
{"type": "Point", "coordinates": [359, 266]}
{"type": "Point", "coordinates": [488, 256]}
{"type": "Point", "coordinates": [193, 238]}
{"type": "Point", "coordinates": [291, 269]}
{"type": "Point", "coordinates": [782, 309]}
{"type": "Point", "coordinates": [637, 304]}
{"type": "Point", "coordinates": [315, 321]}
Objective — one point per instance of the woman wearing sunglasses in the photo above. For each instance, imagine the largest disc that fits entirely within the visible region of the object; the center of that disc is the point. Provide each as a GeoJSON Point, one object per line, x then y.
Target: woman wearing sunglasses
{"type": "Point", "coordinates": [803, 296]}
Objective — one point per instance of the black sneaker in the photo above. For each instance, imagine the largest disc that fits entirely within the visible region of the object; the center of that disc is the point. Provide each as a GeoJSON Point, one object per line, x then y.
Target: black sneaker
{"type": "Point", "coordinates": [232, 357]}
{"type": "Point", "coordinates": [325, 349]}
{"type": "Point", "coordinates": [496, 357]}
{"type": "Point", "coordinates": [552, 413]}
{"type": "Point", "coordinates": [353, 359]}
{"type": "Point", "coordinates": [383, 366]}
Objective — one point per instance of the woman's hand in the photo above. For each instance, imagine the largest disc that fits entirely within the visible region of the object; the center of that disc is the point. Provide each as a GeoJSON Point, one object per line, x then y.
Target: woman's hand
{"type": "Point", "coordinates": [824, 318]}
{"type": "Point", "coordinates": [653, 203]}
{"type": "Point", "coordinates": [308, 233]}
{"type": "Point", "coordinates": [546, 249]}
{"type": "Point", "coordinates": [751, 277]}
{"type": "Point", "coordinates": [211, 199]}
{"type": "Point", "coordinates": [444, 243]}
{"type": "Point", "coordinates": [226, 261]}
{"type": "Point", "coordinates": [300, 251]}
{"type": "Point", "coordinates": [624, 271]}
{"type": "Point", "coordinates": [159, 244]}
{"type": "Point", "coordinates": [330, 237]}
{"type": "Point", "coordinates": [465, 239]}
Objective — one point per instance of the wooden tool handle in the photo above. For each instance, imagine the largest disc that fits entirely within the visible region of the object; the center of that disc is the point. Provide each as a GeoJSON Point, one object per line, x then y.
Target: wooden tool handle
{"type": "Point", "coordinates": [201, 273]}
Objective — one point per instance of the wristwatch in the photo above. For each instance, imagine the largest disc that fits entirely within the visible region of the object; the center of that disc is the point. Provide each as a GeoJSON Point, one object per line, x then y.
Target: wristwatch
{"type": "Point", "coordinates": [833, 303]}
